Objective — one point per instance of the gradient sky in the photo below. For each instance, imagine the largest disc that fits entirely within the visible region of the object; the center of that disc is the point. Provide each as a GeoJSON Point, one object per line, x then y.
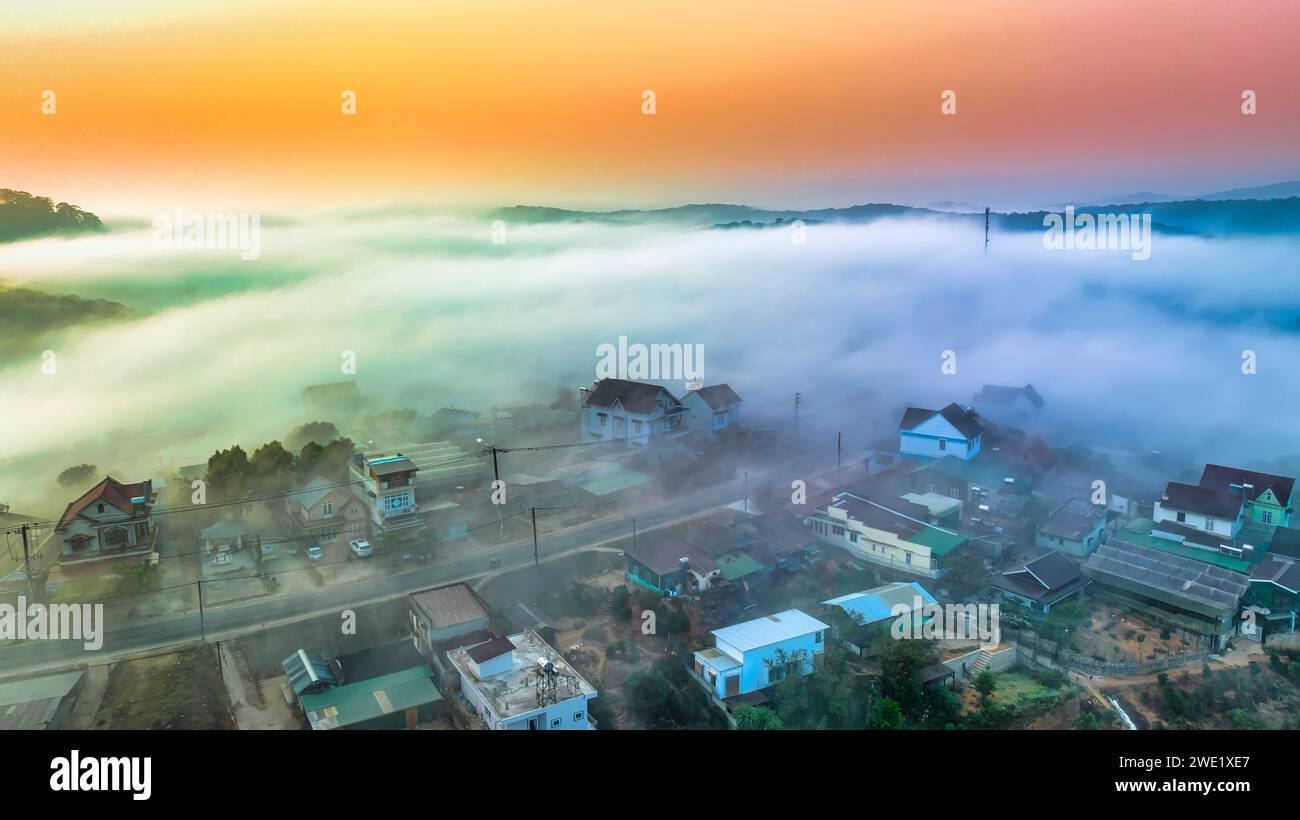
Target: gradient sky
{"type": "Point", "coordinates": [236, 105]}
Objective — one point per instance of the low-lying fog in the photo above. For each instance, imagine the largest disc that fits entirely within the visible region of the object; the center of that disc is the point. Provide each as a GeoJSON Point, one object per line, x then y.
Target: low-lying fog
{"type": "Point", "coordinates": [1140, 353]}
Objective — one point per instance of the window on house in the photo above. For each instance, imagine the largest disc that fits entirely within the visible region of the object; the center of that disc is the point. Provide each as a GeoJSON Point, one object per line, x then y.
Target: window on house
{"type": "Point", "coordinates": [577, 717]}
{"type": "Point", "coordinates": [909, 557]}
{"type": "Point", "coordinates": [636, 426]}
{"type": "Point", "coordinates": [837, 530]}
{"type": "Point", "coordinates": [930, 488]}
{"type": "Point", "coordinates": [1182, 516]}
{"type": "Point", "coordinates": [853, 536]}
{"type": "Point", "coordinates": [601, 419]}
{"type": "Point", "coordinates": [817, 639]}
{"type": "Point", "coordinates": [100, 508]}
{"type": "Point", "coordinates": [327, 509]}
{"type": "Point", "coordinates": [555, 723]}
{"type": "Point", "coordinates": [1266, 517]}
{"type": "Point", "coordinates": [1209, 523]}
{"type": "Point", "coordinates": [955, 493]}
{"type": "Point", "coordinates": [943, 444]}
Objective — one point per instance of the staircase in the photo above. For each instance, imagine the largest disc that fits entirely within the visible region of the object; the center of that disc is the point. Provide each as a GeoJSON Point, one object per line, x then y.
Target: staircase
{"type": "Point", "coordinates": [981, 663]}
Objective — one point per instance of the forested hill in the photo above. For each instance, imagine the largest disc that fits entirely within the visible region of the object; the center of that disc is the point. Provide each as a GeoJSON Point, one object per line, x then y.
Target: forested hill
{"type": "Point", "coordinates": [23, 216]}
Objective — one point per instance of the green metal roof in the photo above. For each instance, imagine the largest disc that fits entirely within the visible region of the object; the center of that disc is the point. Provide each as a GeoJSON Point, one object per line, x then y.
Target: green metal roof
{"type": "Point", "coordinates": [1146, 539]}
{"type": "Point", "coordinates": [368, 699]}
{"type": "Point", "coordinates": [939, 541]}
{"type": "Point", "coordinates": [738, 564]}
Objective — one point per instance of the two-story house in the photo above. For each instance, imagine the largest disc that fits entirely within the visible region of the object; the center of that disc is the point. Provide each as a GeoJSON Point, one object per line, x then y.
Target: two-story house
{"type": "Point", "coordinates": [386, 484]}
{"type": "Point", "coordinates": [109, 519]}
{"type": "Point", "coordinates": [327, 513]}
{"type": "Point", "coordinates": [756, 654]}
{"type": "Point", "coordinates": [1267, 497]}
{"type": "Point", "coordinates": [1008, 405]}
{"type": "Point", "coordinates": [894, 533]}
{"type": "Point", "coordinates": [711, 408]}
{"type": "Point", "coordinates": [951, 431]}
{"type": "Point", "coordinates": [632, 411]}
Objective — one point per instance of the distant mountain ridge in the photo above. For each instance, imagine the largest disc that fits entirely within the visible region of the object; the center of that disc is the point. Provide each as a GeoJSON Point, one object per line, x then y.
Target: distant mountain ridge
{"type": "Point", "coordinates": [25, 216]}
{"type": "Point", "coordinates": [1206, 217]}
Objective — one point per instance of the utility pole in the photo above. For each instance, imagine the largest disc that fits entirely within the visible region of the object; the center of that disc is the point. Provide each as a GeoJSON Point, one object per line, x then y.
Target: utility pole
{"type": "Point", "coordinates": [496, 473]}
{"type": "Point", "coordinates": [536, 558]}
{"type": "Point", "coordinates": [798, 398]}
{"type": "Point", "coordinates": [986, 230]}
{"type": "Point", "coordinates": [27, 565]}
{"type": "Point", "coordinates": [203, 633]}
{"type": "Point", "coordinates": [839, 447]}
{"type": "Point", "coordinates": [747, 491]}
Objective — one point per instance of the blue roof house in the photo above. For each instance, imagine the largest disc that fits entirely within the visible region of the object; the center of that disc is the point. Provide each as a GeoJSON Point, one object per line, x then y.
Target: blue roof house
{"type": "Point", "coordinates": [872, 611]}
{"type": "Point", "coordinates": [756, 654]}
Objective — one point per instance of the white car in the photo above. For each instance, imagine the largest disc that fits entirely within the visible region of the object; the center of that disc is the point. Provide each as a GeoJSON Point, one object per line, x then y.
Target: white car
{"type": "Point", "coordinates": [361, 548]}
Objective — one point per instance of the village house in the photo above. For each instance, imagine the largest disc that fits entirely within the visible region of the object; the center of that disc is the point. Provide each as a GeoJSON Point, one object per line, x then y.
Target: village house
{"type": "Point", "coordinates": [1267, 497]}
{"type": "Point", "coordinates": [628, 410]}
{"type": "Point", "coordinates": [1076, 528]}
{"type": "Point", "coordinates": [952, 431]}
{"type": "Point", "coordinates": [521, 682]}
{"type": "Point", "coordinates": [663, 562]}
{"type": "Point", "coordinates": [1210, 509]}
{"type": "Point", "coordinates": [754, 655]}
{"type": "Point", "coordinates": [326, 513]}
{"type": "Point", "coordinates": [711, 408]}
{"type": "Point", "coordinates": [894, 533]}
{"type": "Point", "coordinates": [1008, 405]}
{"type": "Point", "coordinates": [386, 485]}
{"type": "Point", "coordinates": [110, 519]}
{"type": "Point", "coordinates": [1041, 583]}
{"type": "Point", "coordinates": [870, 614]}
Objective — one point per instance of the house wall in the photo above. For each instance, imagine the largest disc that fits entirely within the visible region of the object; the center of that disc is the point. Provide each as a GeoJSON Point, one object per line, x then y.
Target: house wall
{"type": "Point", "coordinates": [1219, 526]}
{"type": "Point", "coordinates": [754, 670]}
{"type": "Point", "coordinates": [1078, 548]}
{"type": "Point", "coordinates": [700, 417]}
{"type": "Point", "coordinates": [593, 430]}
{"type": "Point", "coordinates": [566, 711]}
{"type": "Point", "coordinates": [935, 438]}
{"type": "Point", "coordinates": [877, 546]}
{"type": "Point", "coordinates": [96, 527]}
{"type": "Point", "coordinates": [1267, 510]}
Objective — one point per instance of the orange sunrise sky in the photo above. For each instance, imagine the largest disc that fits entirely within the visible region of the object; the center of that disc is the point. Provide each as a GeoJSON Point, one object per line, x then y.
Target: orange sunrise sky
{"type": "Point", "coordinates": [238, 104]}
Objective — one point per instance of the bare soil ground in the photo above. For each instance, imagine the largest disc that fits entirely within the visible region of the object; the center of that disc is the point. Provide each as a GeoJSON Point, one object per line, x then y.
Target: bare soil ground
{"type": "Point", "coordinates": [179, 690]}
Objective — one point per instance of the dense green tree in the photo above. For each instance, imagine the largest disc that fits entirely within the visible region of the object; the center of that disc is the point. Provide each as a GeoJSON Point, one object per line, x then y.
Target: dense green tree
{"type": "Point", "coordinates": [82, 475]}
{"type": "Point", "coordinates": [886, 714]}
{"type": "Point", "coordinates": [228, 474]}
{"type": "Point", "coordinates": [757, 717]}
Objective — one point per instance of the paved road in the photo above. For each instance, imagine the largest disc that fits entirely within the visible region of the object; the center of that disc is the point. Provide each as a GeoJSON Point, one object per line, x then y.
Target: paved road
{"type": "Point", "coordinates": [231, 621]}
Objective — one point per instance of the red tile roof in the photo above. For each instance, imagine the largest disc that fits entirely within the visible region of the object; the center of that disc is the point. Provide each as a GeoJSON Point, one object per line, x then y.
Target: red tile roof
{"type": "Point", "coordinates": [110, 491]}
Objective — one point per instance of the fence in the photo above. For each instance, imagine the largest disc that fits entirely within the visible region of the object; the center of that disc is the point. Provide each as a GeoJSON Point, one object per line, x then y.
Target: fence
{"type": "Point", "coordinates": [1048, 653]}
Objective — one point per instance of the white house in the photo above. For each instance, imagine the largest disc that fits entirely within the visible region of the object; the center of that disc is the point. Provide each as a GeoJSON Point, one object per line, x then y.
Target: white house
{"type": "Point", "coordinates": [110, 519]}
{"type": "Point", "coordinates": [756, 654]}
{"type": "Point", "coordinates": [1208, 509]}
{"type": "Point", "coordinates": [951, 431]}
{"type": "Point", "coordinates": [897, 535]}
{"type": "Point", "coordinates": [632, 411]}
{"type": "Point", "coordinates": [521, 682]}
{"type": "Point", "coordinates": [715, 407]}
{"type": "Point", "coordinates": [1009, 405]}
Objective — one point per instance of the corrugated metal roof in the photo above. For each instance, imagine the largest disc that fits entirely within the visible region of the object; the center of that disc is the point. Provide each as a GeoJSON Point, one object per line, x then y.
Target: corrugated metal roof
{"type": "Point", "coordinates": [769, 629]}
{"type": "Point", "coordinates": [304, 671]}
{"type": "Point", "coordinates": [876, 604]}
{"type": "Point", "coordinates": [367, 699]}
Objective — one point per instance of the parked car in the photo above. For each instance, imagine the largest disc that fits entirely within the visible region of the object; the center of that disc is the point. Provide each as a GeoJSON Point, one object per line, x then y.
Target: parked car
{"type": "Point", "coordinates": [361, 548]}
{"type": "Point", "coordinates": [314, 552]}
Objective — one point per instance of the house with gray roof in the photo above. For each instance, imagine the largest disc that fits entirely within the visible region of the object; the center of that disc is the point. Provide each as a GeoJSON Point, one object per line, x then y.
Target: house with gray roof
{"type": "Point", "coordinates": [632, 411]}
{"type": "Point", "coordinates": [1076, 528]}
